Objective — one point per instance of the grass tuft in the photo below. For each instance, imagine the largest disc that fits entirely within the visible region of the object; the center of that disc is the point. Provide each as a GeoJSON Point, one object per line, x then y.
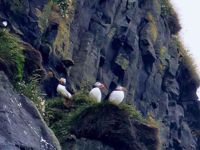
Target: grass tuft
{"type": "Point", "coordinates": [187, 61]}
{"type": "Point", "coordinates": [11, 53]}
{"type": "Point", "coordinates": [31, 90]}
{"type": "Point", "coordinates": [132, 111]}
{"type": "Point", "coordinates": [153, 26]}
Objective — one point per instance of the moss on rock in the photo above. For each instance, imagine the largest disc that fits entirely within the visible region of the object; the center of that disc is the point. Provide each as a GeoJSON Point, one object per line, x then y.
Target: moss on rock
{"type": "Point", "coordinates": [11, 54]}
{"type": "Point", "coordinates": [122, 61]}
{"type": "Point", "coordinates": [116, 127]}
{"type": "Point", "coordinates": [153, 26]}
{"type": "Point", "coordinates": [121, 127]}
{"type": "Point", "coordinates": [169, 14]}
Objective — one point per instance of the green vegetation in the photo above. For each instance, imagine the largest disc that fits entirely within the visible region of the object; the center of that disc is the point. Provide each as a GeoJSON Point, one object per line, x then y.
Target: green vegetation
{"type": "Point", "coordinates": [111, 32]}
{"type": "Point", "coordinates": [162, 53]}
{"type": "Point", "coordinates": [11, 53]}
{"type": "Point", "coordinates": [187, 60]}
{"type": "Point", "coordinates": [44, 15]}
{"type": "Point", "coordinates": [162, 56]}
{"type": "Point", "coordinates": [171, 17]}
{"type": "Point", "coordinates": [151, 120]}
{"type": "Point", "coordinates": [61, 119]}
{"type": "Point", "coordinates": [157, 5]}
{"type": "Point", "coordinates": [153, 26]}
{"type": "Point", "coordinates": [65, 6]}
{"type": "Point", "coordinates": [122, 61]}
{"type": "Point", "coordinates": [31, 90]}
{"type": "Point", "coordinates": [132, 112]}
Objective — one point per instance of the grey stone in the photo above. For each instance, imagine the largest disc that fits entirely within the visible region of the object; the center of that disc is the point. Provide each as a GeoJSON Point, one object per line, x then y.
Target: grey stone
{"type": "Point", "coordinates": [21, 126]}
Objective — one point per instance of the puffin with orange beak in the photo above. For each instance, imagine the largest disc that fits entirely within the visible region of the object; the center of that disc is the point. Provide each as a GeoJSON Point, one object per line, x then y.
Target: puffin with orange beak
{"type": "Point", "coordinates": [96, 91]}
{"type": "Point", "coordinates": [117, 96]}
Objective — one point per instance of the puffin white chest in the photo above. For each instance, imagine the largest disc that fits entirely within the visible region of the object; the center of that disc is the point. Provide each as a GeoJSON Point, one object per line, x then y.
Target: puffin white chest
{"type": "Point", "coordinates": [96, 94]}
{"type": "Point", "coordinates": [116, 97]}
{"type": "Point", "coordinates": [63, 91]}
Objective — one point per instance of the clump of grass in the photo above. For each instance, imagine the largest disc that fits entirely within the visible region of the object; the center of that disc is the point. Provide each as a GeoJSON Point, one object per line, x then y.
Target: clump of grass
{"type": "Point", "coordinates": [11, 53]}
{"type": "Point", "coordinates": [122, 61]}
{"type": "Point", "coordinates": [31, 90]}
{"type": "Point", "coordinates": [66, 6]}
{"type": "Point", "coordinates": [150, 120]}
{"type": "Point", "coordinates": [83, 98]}
{"type": "Point", "coordinates": [162, 53]}
{"type": "Point", "coordinates": [187, 61]}
{"type": "Point", "coordinates": [61, 119]}
{"type": "Point", "coordinates": [63, 4]}
{"type": "Point", "coordinates": [153, 26]}
{"type": "Point", "coordinates": [44, 16]}
{"type": "Point", "coordinates": [168, 12]}
{"type": "Point", "coordinates": [63, 33]}
{"type": "Point", "coordinates": [132, 111]}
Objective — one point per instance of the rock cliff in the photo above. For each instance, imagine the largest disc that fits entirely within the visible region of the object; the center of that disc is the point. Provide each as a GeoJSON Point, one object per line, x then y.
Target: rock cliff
{"type": "Point", "coordinates": [129, 42]}
{"type": "Point", "coordinates": [22, 127]}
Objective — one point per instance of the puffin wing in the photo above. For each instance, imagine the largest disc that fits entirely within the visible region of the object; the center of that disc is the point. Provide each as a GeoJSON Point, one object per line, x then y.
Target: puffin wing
{"type": "Point", "coordinates": [63, 92]}
{"type": "Point", "coordinates": [96, 94]}
{"type": "Point", "coordinates": [116, 97]}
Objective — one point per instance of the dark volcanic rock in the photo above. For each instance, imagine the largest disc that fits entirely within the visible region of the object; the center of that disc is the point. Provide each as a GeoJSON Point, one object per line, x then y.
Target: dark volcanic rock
{"type": "Point", "coordinates": [111, 125]}
{"type": "Point", "coordinates": [21, 125]}
{"type": "Point", "coordinates": [127, 42]}
{"type": "Point", "coordinates": [85, 144]}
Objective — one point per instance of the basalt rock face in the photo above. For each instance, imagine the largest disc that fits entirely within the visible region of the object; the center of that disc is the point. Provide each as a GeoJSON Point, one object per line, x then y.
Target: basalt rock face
{"type": "Point", "coordinates": [128, 42]}
{"type": "Point", "coordinates": [21, 125]}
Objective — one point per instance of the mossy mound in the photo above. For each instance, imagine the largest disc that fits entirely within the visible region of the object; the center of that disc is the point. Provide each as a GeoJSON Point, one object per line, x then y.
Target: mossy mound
{"type": "Point", "coordinates": [121, 127]}
{"type": "Point", "coordinates": [61, 119]}
{"type": "Point", "coordinates": [115, 126]}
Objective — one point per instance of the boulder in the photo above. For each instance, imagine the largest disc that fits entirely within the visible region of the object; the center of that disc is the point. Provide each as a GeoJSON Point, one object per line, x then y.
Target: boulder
{"type": "Point", "coordinates": [21, 126]}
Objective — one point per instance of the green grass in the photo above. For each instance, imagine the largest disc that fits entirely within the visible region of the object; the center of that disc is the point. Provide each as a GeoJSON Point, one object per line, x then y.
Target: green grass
{"type": "Point", "coordinates": [31, 90]}
{"type": "Point", "coordinates": [122, 61]}
{"type": "Point", "coordinates": [187, 60]}
{"type": "Point", "coordinates": [132, 111]}
{"type": "Point", "coordinates": [62, 120]}
{"type": "Point", "coordinates": [43, 17]}
{"type": "Point", "coordinates": [11, 53]}
{"type": "Point", "coordinates": [66, 6]}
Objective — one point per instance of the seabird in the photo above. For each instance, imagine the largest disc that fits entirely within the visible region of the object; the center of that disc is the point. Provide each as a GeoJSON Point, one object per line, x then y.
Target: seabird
{"type": "Point", "coordinates": [96, 91]}
{"type": "Point", "coordinates": [117, 96]}
{"type": "Point", "coordinates": [61, 89]}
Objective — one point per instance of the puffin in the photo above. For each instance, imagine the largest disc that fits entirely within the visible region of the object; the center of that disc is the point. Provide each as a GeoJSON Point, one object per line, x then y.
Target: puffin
{"type": "Point", "coordinates": [96, 91]}
{"type": "Point", "coordinates": [117, 96]}
{"type": "Point", "coordinates": [61, 89]}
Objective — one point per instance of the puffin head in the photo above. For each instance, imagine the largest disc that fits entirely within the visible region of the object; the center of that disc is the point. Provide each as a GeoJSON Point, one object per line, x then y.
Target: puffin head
{"type": "Point", "coordinates": [99, 85]}
{"type": "Point", "coordinates": [62, 81]}
{"type": "Point", "coordinates": [121, 88]}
